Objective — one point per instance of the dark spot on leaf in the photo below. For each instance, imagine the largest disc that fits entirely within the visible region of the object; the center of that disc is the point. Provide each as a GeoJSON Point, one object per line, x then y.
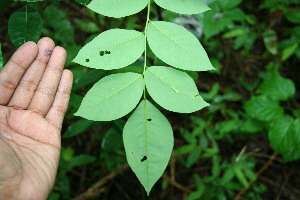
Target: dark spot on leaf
{"type": "Point", "coordinates": [48, 52]}
{"type": "Point", "coordinates": [102, 53]}
{"type": "Point", "coordinates": [87, 60]}
{"type": "Point", "coordinates": [149, 120]}
{"type": "Point", "coordinates": [197, 95]}
{"type": "Point", "coordinates": [144, 158]}
{"type": "Point", "coordinates": [107, 52]}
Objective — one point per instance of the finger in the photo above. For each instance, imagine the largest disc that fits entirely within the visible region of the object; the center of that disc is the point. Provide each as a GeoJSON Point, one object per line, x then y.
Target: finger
{"type": "Point", "coordinates": [28, 84]}
{"type": "Point", "coordinates": [15, 69]}
{"type": "Point", "coordinates": [45, 93]}
{"type": "Point", "coordinates": [58, 110]}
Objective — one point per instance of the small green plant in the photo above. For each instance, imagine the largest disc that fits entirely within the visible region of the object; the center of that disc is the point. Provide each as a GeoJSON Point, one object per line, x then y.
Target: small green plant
{"type": "Point", "coordinates": [147, 135]}
{"type": "Point", "coordinates": [283, 129]}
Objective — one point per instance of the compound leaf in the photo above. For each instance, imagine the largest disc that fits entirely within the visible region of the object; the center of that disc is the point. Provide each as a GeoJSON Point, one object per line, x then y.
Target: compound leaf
{"type": "Point", "coordinates": [174, 90]}
{"type": "Point", "coordinates": [24, 25]}
{"type": "Point", "coordinates": [112, 49]}
{"type": "Point", "coordinates": [148, 140]}
{"type": "Point", "coordinates": [112, 97]}
{"type": "Point", "coordinates": [284, 137]}
{"type": "Point", "coordinates": [176, 46]}
{"type": "Point", "coordinates": [183, 7]}
{"type": "Point", "coordinates": [117, 8]}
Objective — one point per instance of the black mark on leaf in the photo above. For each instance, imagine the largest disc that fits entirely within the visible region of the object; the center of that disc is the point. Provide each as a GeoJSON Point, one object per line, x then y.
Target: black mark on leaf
{"type": "Point", "coordinates": [144, 158]}
{"type": "Point", "coordinates": [102, 53]}
{"type": "Point", "coordinates": [87, 60]}
{"type": "Point", "coordinates": [149, 120]}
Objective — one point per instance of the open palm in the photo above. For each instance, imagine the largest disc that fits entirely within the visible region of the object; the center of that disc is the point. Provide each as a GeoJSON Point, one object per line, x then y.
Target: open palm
{"type": "Point", "coordinates": [34, 93]}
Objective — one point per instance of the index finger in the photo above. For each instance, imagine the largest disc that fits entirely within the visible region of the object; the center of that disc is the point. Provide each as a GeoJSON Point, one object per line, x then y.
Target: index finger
{"type": "Point", "coordinates": [14, 70]}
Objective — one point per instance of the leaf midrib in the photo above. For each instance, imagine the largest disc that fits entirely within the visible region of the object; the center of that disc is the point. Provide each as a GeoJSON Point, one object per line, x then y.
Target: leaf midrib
{"type": "Point", "coordinates": [173, 40]}
{"type": "Point", "coordinates": [194, 98]}
{"type": "Point", "coordinates": [147, 139]}
{"type": "Point", "coordinates": [118, 91]}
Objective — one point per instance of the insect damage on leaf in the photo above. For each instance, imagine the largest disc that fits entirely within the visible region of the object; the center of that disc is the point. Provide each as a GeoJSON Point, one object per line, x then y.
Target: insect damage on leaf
{"type": "Point", "coordinates": [102, 53]}
{"type": "Point", "coordinates": [144, 159]}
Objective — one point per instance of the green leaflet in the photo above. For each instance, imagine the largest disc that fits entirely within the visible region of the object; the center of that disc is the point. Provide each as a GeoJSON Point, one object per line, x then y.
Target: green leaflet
{"type": "Point", "coordinates": [148, 141]}
{"type": "Point", "coordinates": [183, 7]}
{"type": "Point", "coordinates": [59, 22]}
{"type": "Point", "coordinates": [83, 2]}
{"type": "Point", "coordinates": [77, 128]}
{"type": "Point", "coordinates": [112, 49]}
{"type": "Point", "coordinates": [263, 108]}
{"type": "Point", "coordinates": [176, 46]}
{"type": "Point", "coordinates": [289, 51]}
{"type": "Point", "coordinates": [228, 4]}
{"type": "Point", "coordinates": [24, 25]}
{"type": "Point", "coordinates": [112, 97]}
{"type": "Point", "coordinates": [117, 8]}
{"type": "Point", "coordinates": [285, 138]}
{"type": "Point", "coordinates": [174, 90]}
{"type": "Point", "coordinates": [293, 15]}
{"type": "Point", "coordinates": [277, 87]}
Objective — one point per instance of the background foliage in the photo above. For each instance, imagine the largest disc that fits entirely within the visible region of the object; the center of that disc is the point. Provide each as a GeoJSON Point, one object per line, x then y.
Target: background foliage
{"type": "Point", "coordinates": [246, 145]}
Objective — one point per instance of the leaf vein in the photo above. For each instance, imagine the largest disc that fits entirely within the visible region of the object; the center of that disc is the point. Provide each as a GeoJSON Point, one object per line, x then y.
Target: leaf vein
{"type": "Point", "coordinates": [172, 39]}
{"type": "Point", "coordinates": [118, 91]}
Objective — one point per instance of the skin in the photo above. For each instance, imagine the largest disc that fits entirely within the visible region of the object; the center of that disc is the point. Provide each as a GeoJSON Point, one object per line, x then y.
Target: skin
{"type": "Point", "coordinates": [34, 94]}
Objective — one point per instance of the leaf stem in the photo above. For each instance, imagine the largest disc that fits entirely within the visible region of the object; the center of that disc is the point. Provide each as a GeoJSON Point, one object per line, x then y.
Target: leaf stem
{"type": "Point", "coordinates": [145, 32]}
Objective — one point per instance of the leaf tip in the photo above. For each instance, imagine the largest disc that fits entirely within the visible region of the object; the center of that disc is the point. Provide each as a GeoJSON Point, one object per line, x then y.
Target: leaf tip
{"type": "Point", "coordinates": [77, 114]}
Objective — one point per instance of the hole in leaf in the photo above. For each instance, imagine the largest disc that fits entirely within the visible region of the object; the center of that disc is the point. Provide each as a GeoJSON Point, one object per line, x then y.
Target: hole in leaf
{"type": "Point", "coordinates": [144, 158]}
{"type": "Point", "coordinates": [102, 53]}
{"type": "Point", "coordinates": [87, 60]}
{"type": "Point", "coordinates": [149, 120]}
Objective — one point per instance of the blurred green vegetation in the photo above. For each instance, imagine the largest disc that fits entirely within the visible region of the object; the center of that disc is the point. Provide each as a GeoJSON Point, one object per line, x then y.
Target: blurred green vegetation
{"type": "Point", "coordinates": [254, 97]}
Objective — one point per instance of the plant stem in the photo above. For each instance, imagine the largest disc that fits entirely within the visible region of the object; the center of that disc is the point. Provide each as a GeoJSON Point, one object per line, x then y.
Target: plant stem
{"type": "Point", "coordinates": [145, 33]}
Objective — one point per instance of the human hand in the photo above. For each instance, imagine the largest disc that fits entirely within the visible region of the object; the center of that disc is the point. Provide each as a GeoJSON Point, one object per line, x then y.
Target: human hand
{"type": "Point", "coordinates": [34, 94]}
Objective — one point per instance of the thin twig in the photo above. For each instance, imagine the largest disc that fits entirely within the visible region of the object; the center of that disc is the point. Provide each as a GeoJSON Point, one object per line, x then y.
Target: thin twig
{"type": "Point", "coordinates": [173, 166]}
{"type": "Point", "coordinates": [96, 189]}
{"type": "Point", "coordinates": [258, 173]}
{"type": "Point", "coordinates": [282, 186]}
{"type": "Point", "coordinates": [126, 196]}
{"type": "Point", "coordinates": [177, 185]}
